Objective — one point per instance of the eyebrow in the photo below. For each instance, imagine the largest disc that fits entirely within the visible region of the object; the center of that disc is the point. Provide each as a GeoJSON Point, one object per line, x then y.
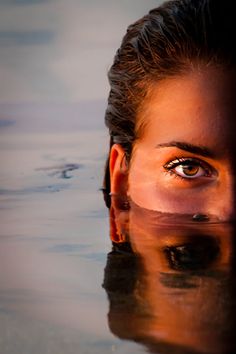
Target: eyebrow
{"type": "Point", "coordinates": [195, 149]}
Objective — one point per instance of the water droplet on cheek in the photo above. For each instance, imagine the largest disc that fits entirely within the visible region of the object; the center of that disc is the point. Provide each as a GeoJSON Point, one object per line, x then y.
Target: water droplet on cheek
{"type": "Point", "coordinates": [200, 217]}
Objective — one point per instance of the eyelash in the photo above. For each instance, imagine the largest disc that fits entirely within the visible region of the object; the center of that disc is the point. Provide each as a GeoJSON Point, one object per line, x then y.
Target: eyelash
{"type": "Point", "coordinates": [171, 165]}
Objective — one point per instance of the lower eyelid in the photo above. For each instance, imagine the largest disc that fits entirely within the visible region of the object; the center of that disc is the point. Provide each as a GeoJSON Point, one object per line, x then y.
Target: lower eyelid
{"type": "Point", "coordinates": [186, 180]}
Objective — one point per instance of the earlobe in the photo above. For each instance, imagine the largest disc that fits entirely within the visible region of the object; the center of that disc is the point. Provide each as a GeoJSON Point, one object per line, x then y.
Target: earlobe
{"type": "Point", "coordinates": [118, 170]}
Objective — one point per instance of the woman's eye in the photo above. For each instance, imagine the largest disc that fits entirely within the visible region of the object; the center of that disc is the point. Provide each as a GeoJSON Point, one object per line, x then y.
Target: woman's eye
{"type": "Point", "coordinates": [188, 168]}
{"type": "Point", "coordinates": [189, 171]}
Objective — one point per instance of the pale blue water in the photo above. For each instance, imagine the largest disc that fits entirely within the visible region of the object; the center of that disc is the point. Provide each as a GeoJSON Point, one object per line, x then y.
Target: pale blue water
{"type": "Point", "coordinates": [54, 238]}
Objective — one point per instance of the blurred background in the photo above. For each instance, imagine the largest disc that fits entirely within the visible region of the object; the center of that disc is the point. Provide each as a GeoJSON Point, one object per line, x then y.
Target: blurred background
{"type": "Point", "coordinates": [59, 51]}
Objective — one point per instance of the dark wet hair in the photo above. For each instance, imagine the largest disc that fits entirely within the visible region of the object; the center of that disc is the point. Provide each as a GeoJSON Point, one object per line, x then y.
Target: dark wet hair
{"type": "Point", "coordinates": [171, 39]}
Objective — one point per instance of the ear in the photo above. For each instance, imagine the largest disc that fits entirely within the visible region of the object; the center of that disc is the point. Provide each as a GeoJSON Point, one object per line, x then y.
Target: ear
{"type": "Point", "coordinates": [118, 170]}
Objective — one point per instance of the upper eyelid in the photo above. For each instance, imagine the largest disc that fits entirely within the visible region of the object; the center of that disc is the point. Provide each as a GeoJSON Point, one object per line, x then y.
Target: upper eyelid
{"type": "Point", "coordinates": [178, 160]}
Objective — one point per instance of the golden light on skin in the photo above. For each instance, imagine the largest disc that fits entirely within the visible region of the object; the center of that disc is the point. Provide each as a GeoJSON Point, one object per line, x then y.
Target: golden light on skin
{"type": "Point", "coordinates": [196, 109]}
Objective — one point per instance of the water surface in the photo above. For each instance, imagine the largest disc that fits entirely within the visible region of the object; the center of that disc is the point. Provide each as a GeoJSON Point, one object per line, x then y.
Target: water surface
{"type": "Point", "coordinates": [54, 239]}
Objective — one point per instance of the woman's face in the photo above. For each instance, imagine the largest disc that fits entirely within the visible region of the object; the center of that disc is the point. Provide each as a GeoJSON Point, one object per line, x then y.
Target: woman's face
{"type": "Point", "coordinates": [184, 161]}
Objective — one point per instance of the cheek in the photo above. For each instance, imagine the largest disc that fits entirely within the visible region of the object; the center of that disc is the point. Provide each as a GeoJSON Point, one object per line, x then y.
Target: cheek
{"type": "Point", "coordinates": [150, 194]}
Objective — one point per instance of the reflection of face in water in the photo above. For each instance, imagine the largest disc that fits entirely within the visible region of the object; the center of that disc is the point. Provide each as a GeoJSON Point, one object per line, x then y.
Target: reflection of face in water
{"type": "Point", "coordinates": [171, 286]}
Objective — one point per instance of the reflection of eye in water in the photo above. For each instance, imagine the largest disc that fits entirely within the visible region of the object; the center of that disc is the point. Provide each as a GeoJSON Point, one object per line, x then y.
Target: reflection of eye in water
{"type": "Point", "coordinates": [191, 280]}
{"type": "Point", "coordinates": [193, 308]}
{"type": "Point", "coordinates": [199, 253]}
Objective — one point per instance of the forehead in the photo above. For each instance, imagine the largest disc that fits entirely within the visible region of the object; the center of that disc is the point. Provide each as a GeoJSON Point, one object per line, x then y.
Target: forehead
{"type": "Point", "coordinates": [196, 107]}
